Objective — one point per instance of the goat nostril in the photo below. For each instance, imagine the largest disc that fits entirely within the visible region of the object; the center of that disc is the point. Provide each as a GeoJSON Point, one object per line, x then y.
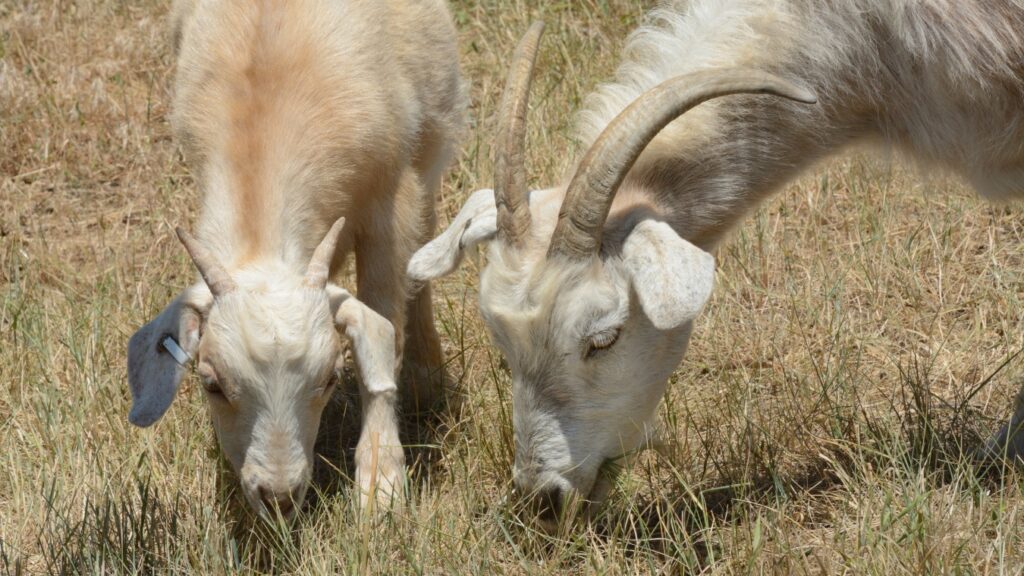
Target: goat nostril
{"type": "Point", "coordinates": [549, 504]}
{"type": "Point", "coordinates": [283, 503]}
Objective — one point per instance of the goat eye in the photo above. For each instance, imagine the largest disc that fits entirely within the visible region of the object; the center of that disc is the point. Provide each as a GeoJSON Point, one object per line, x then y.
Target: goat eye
{"type": "Point", "coordinates": [211, 386]}
{"type": "Point", "coordinates": [601, 341]}
{"type": "Point", "coordinates": [332, 383]}
{"type": "Point", "coordinates": [209, 381]}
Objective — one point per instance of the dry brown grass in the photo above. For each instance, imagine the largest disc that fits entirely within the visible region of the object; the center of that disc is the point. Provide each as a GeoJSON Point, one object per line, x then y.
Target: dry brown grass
{"type": "Point", "coordinates": [817, 425]}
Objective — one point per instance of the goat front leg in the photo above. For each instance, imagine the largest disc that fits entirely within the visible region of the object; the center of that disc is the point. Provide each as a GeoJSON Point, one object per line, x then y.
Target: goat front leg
{"type": "Point", "coordinates": [423, 367]}
{"type": "Point", "coordinates": [422, 372]}
{"type": "Point", "coordinates": [383, 251]}
{"type": "Point", "coordinates": [380, 460]}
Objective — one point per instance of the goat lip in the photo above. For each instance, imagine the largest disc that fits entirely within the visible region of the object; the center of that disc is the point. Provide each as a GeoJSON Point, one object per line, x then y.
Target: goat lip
{"type": "Point", "coordinates": [273, 515]}
{"type": "Point", "coordinates": [548, 526]}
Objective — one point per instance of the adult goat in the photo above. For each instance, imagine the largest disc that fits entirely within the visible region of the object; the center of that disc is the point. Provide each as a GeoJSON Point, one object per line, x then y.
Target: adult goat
{"type": "Point", "coordinates": [591, 288]}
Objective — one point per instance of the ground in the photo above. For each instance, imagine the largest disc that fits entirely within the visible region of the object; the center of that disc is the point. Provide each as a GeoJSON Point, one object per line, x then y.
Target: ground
{"type": "Point", "coordinates": [863, 337]}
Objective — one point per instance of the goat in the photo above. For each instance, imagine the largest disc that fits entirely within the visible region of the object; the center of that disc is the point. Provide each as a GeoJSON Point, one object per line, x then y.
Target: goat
{"type": "Point", "coordinates": [294, 116]}
{"type": "Point", "coordinates": [591, 288]}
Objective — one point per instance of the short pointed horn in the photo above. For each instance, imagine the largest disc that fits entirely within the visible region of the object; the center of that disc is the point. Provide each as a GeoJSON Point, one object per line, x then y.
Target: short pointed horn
{"type": "Point", "coordinates": [216, 277]}
{"type": "Point", "coordinates": [605, 165]}
{"type": "Point", "coordinates": [510, 192]}
{"type": "Point", "coordinates": [319, 269]}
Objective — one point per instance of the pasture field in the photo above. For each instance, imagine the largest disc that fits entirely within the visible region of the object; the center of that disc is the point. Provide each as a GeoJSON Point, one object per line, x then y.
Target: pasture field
{"type": "Point", "coordinates": [864, 336]}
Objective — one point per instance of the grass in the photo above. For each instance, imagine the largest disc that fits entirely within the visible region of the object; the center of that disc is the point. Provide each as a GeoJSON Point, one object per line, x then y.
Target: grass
{"type": "Point", "coordinates": [864, 335]}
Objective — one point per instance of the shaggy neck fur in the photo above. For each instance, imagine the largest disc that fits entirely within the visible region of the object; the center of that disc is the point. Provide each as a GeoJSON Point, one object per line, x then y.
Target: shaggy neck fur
{"type": "Point", "coordinates": [939, 79]}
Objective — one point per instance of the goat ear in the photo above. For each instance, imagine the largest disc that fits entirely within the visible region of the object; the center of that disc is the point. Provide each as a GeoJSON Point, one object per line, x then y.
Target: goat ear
{"type": "Point", "coordinates": [154, 371]}
{"type": "Point", "coordinates": [372, 336]}
{"type": "Point", "coordinates": [475, 223]}
{"type": "Point", "coordinates": [671, 277]}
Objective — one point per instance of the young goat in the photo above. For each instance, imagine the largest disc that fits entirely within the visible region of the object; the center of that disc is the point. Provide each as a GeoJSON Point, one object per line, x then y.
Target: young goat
{"type": "Point", "coordinates": [591, 288]}
{"type": "Point", "coordinates": [292, 115]}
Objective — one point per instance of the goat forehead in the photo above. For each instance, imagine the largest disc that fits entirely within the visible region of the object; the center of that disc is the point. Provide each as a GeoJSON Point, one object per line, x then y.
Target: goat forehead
{"type": "Point", "coordinates": [561, 329]}
{"type": "Point", "coordinates": [270, 328]}
{"type": "Point", "coordinates": [548, 297]}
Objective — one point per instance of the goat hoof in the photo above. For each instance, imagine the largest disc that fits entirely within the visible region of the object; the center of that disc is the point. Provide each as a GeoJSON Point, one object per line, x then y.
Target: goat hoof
{"type": "Point", "coordinates": [381, 481]}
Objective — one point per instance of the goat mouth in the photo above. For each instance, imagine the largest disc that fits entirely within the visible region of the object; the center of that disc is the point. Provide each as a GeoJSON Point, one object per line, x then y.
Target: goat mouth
{"type": "Point", "coordinates": [557, 504]}
{"type": "Point", "coordinates": [551, 511]}
{"type": "Point", "coordinates": [274, 511]}
{"type": "Point", "coordinates": [288, 514]}
{"type": "Point", "coordinates": [576, 508]}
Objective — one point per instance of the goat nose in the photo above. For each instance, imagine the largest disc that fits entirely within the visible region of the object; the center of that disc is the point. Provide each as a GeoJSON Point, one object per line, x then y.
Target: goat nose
{"type": "Point", "coordinates": [284, 502]}
{"type": "Point", "coordinates": [548, 503]}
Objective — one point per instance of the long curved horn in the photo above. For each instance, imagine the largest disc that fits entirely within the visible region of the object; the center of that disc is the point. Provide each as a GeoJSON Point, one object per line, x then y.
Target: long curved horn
{"type": "Point", "coordinates": [319, 269]}
{"type": "Point", "coordinates": [510, 193]}
{"type": "Point", "coordinates": [605, 165]}
{"type": "Point", "coordinates": [215, 276]}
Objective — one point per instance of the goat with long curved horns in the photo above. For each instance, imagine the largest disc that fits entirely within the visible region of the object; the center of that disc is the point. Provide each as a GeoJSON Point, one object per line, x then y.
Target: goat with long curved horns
{"type": "Point", "coordinates": [591, 288]}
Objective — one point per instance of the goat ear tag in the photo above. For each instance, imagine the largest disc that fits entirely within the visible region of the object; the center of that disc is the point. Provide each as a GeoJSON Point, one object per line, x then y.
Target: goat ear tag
{"type": "Point", "coordinates": [180, 356]}
{"type": "Point", "coordinates": [475, 223]}
{"type": "Point", "coordinates": [672, 278]}
{"type": "Point", "coordinates": [158, 354]}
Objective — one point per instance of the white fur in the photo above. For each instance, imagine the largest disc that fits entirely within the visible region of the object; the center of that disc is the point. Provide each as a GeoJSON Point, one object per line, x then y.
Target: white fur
{"type": "Point", "coordinates": [942, 80]}
{"type": "Point", "coordinates": [476, 222]}
{"type": "Point", "coordinates": [671, 277]}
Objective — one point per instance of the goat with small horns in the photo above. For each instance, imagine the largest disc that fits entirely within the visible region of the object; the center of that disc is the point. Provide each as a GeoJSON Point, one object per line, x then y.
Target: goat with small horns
{"type": "Point", "coordinates": [591, 289]}
{"type": "Point", "coordinates": [295, 116]}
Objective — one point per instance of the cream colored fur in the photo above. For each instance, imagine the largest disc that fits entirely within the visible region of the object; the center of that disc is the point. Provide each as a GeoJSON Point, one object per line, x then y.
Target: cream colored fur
{"type": "Point", "coordinates": [293, 114]}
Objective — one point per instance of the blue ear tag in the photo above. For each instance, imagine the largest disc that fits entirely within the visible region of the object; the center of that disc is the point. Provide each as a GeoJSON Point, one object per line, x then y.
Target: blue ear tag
{"type": "Point", "coordinates": [179, 355]}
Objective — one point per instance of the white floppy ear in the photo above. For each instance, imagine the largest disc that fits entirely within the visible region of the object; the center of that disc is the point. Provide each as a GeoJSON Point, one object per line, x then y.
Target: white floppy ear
{"type": "Point", "coordinates": [159, 352]}
{"type": "Point", "coordinates": [475, 223]}
{"type": "Point", "coordinates": [372, 336]}
{"type": "Point", "coordinates": [671, 277]}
